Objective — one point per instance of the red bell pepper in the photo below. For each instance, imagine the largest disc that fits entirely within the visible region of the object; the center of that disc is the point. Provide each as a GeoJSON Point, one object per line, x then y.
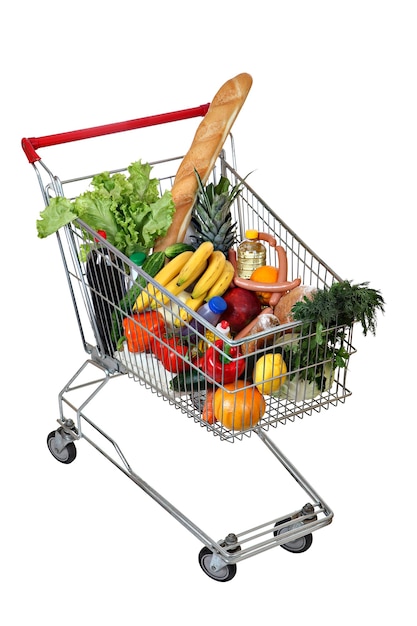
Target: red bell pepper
{"type": "Point", "coordinates": [141, 328]}
{"type": "Point", "coordinates": [172, 353]}
{"type": "Point", "coordinates": [220, 368]}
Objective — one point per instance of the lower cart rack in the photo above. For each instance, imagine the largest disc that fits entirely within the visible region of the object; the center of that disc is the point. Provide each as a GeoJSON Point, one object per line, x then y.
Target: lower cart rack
{"type": "Point", "coordinates": [218, 559]}
{"type": "Point", "coordinates": [307, 386]}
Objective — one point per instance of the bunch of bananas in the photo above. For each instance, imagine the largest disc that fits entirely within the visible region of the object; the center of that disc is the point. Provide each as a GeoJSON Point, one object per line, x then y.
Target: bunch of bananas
{"type": "Point", "coordinates": [206, 270]}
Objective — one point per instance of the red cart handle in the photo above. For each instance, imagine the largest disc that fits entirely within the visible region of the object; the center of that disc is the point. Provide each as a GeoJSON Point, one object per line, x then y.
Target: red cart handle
{"type": "Point", "coordinates": [33, 143]}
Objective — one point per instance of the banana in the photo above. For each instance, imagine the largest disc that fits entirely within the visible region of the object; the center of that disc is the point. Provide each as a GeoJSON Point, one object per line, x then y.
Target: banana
{"type": "Point", "coordinates": [173, 267]}
{"type": "Point", "coordinates": [145, 298]}
{"type": "Point", "coordinates": [201, 255]}
{"type": "Point", "coordinates": [160, 299]}
{"type": "Point", "coordinates": [215, 267]}
{"type": "Point", "coordinates": [223, 282]}
{"type": "Point", "coordinates": [163, 277]}
{"type": "Point", "coordinates": [193, 304]}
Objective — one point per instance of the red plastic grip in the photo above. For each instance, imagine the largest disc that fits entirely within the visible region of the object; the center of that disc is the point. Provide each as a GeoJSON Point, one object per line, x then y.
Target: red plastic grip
{"type": "Point", "coordinates": [30, 145]}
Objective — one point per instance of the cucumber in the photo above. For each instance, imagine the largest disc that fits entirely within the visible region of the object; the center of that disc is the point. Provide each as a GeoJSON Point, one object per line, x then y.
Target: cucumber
{"type": "Point", "coordinates": [152, 264]}
{"type": "Point", "coordinates": [192, 380]}
{"type": "Point", "coordinates": [177, 248]}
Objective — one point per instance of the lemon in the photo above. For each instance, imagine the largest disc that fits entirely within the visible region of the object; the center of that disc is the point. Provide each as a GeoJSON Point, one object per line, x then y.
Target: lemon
{"type": "Point", "coordinates": [269, 373]}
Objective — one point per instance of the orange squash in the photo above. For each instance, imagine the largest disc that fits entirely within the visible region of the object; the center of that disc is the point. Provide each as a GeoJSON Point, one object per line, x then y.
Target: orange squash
{"type": "Point", "coordinates": [237, 406]}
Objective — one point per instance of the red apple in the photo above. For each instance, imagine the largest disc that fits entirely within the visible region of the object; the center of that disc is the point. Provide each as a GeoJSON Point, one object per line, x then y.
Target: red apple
{"type": "Point", "coordinates": [242, 307]}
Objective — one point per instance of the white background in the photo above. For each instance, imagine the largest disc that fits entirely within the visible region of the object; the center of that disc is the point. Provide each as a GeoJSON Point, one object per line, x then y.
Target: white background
{"type": "Point", "coordinates": [329, 129]}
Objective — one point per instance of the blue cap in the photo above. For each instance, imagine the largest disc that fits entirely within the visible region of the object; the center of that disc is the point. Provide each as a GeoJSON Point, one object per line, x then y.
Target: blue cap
{"type": "Point", "coordinates": [217, 304]}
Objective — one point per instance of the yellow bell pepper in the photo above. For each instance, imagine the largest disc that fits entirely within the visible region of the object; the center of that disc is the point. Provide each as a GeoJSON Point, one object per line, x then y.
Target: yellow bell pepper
{"type": "Point", "coordinates": [269, 373]}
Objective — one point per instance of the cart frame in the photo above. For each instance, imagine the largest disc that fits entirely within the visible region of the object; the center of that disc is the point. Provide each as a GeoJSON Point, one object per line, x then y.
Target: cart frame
{"type": "Point", "coordinates": [218, 559]}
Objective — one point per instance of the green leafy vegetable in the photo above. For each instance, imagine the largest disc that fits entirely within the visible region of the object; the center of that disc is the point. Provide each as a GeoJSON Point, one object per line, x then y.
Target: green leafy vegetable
{"type": "Point", "coordinates": [342, 303]}
{"type": "Point", "coordinates": [323, 337]}
{"type": "Point", "coordinates": [58, 213]}
{"type": "Point", "coordinates": [128, 208]}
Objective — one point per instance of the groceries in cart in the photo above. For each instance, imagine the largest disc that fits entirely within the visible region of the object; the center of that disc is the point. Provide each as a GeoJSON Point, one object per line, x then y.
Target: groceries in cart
{"type": "Point", "coordinates": [208, 238]}
{"type": "Point", "coordinates": [286, 339]}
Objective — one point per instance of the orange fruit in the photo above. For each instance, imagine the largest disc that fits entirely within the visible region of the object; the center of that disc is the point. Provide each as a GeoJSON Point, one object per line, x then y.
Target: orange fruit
{"type": "Point", "coordinates": [238, 407]}
{"type": "Point", "coordinates": [265, 274]}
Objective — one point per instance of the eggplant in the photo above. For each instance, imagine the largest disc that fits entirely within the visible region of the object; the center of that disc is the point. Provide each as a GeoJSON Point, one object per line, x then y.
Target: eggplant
{"type": "Point", "coordinates": [106, 279]}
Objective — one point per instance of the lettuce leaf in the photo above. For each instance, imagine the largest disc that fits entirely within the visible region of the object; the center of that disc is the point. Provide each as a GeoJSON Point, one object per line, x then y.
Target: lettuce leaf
{"type": "Point", "coordinates": [144, 187]}
{"type": "Point", "coordinates": [128, 208]}
{"type": "Point", "coordinates": [96, 210]}
{"type": "Point", "coordinates": [57, 214]}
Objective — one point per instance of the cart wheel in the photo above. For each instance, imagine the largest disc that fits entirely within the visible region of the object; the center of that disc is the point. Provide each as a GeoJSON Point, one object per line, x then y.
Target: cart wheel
{"type": "Point", "coordinates": [297, 545]}
{"type": "Point", "coordinates": [66, 455]}
{"type": "Point", "coordinates": [224, 574]}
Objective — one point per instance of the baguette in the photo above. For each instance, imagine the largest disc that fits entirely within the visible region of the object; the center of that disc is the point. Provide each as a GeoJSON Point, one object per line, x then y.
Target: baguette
{"type": "Point", "coordinates": [204, 150]}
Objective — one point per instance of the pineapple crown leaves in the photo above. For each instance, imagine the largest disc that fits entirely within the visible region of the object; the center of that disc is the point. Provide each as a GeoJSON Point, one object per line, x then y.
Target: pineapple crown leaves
{"type": "Point", "coordinates": [211, 215]}
{"type": "Point", "coordinates": [221, 190]}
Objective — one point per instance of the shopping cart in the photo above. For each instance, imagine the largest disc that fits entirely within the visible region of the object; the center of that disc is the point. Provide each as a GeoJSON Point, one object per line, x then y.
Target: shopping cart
{"type": "Point", "coordinates": [107, 359]}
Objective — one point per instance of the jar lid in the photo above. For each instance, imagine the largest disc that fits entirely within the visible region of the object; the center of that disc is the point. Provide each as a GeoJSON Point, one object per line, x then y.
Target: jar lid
{"type": "Point", "coordinates": [138, 258]}
{"type": "Point", "coordinates": [217, 304]}
{"type": "Point", "coordinates": [252, 234]}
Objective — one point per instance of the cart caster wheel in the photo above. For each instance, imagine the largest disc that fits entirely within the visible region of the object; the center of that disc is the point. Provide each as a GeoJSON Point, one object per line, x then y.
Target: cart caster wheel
{"type": "Point", "coordinates": [66, 455]}
{"type": "Point", "coordinates": [223, 574]}
{"type": "Point", "coordinates": [297, 545]}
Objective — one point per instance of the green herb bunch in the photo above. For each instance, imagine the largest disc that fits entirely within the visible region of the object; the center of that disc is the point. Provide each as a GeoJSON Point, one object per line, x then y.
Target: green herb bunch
{"type": "Point", "coordinates": [326, 320]}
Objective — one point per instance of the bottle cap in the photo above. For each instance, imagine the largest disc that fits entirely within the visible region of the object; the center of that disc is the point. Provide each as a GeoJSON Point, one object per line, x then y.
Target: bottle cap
{"type": "Point", "coordinates": [252, 234]}
{"type": "Point", "coordinates": [223, 325]}
{"type": "Point", "coordinates": [138, 258]}
{"type": "Point", "coordinates": [102, 234]}
{"type": "Point", "coordinates": [217, 304]}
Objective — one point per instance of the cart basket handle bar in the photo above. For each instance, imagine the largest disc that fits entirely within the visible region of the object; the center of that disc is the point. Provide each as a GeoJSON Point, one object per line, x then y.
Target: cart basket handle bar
{"type": "Point", "coordinates": [33, 143]}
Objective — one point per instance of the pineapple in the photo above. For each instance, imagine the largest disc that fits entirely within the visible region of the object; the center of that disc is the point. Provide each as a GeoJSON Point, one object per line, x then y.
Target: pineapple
{"type": "Point", "coordinates": [211, 217]}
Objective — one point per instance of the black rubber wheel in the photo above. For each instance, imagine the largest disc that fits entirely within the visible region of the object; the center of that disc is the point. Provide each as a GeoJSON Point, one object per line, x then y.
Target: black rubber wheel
{"type": "Point", "coordinates": [222, 575]}
{"type": "Point", "coordinates": [67, 455]}
{"type": "Point", "coordinates": [297, 545]}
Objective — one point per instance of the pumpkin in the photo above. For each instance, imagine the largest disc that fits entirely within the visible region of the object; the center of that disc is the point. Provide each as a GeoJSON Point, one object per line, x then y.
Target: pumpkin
{"type": "Point", "coordinates": [237, 406]}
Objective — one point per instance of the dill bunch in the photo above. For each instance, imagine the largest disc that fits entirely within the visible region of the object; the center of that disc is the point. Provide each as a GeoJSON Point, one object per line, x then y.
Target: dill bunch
{"type": "Point", "coordinates": [326, 319]}
{"type": "Point", "coordinates": [342, 304]}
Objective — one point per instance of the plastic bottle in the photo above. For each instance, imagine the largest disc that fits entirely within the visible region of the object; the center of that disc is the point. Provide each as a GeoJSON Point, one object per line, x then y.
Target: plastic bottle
{"type": "Point", "coordinates": [222, 331]}
{"type": "Point", "coordinates": [138, 258]}
{"type": "Point", "coordinates": [211, 311]}
{"type": "Point", "coordinates": [251, 254]}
